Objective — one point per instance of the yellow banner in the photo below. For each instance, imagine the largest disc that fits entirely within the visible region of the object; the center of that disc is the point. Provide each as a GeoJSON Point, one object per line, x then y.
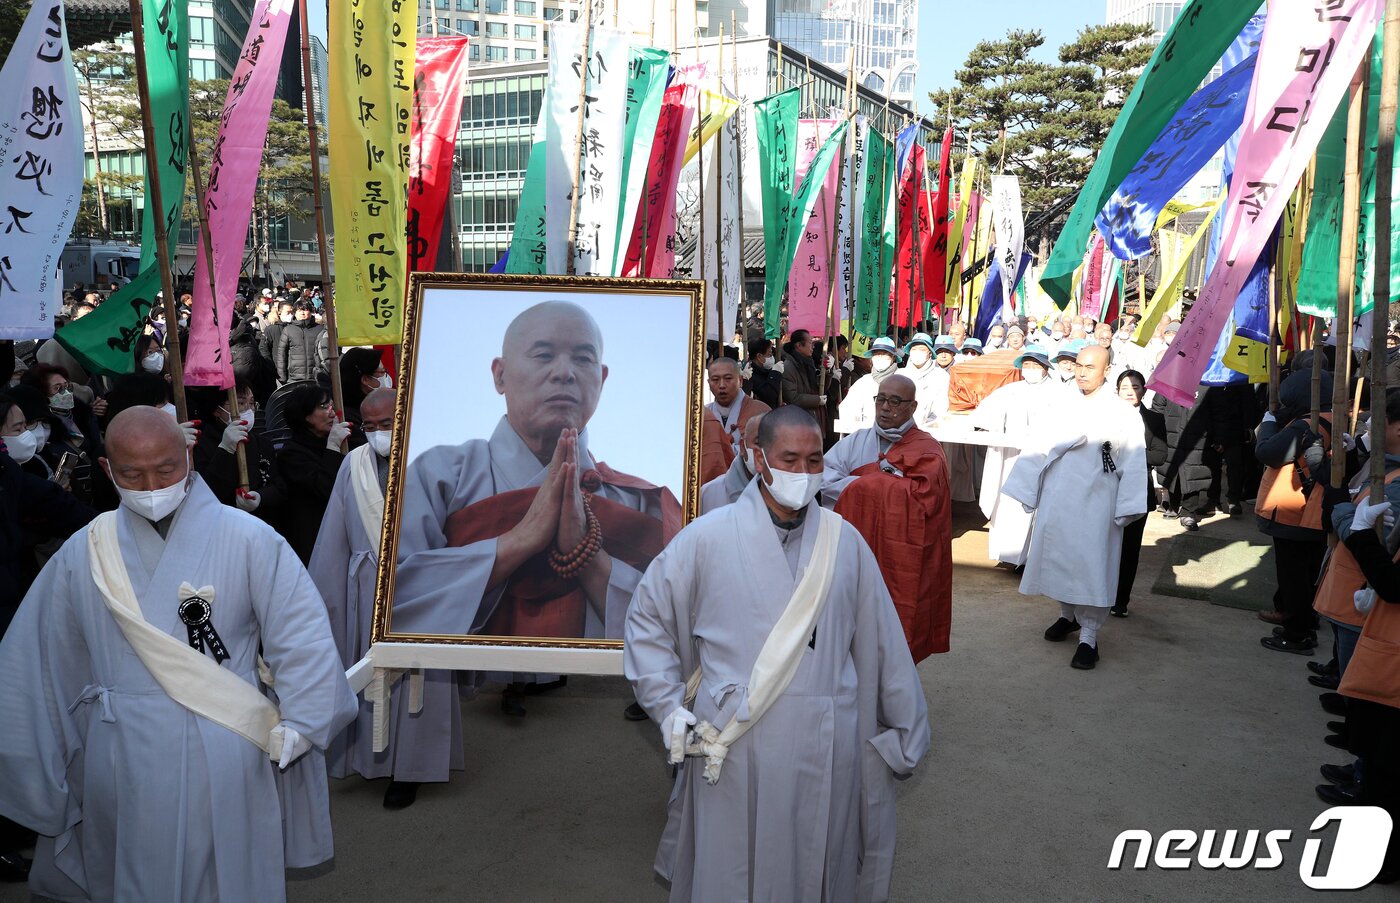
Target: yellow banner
{"type": "Point", "coordinates": [370, 108]}
{"type": "Point", "coordinates": [955, 230]}
{"type": "Point", "coordinates": [715, 110]}
{"type": "Point", "coordinates": [1175, 209]}
{"type": "Point", "coordinates": [1169, 290]}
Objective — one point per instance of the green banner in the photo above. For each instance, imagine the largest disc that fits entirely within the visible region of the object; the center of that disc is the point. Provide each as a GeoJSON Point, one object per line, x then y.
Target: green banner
{"type": "Point", "coordinates": [1183, 60]}
{"type": "Point", "coordinates": [104, 341]}
{"type": "Point", "coordinates": [803, 204]}
{"type": "Point", "coordinates": [877, 248]}
{"type": "Point", "coordinates": [647, 74]}
{"type": "Point", "coordinates": [1317, 274]}
{"type": "Point", "coordinates": [775, 117]}
{"type": "Point", "coordinates": [527, 241]}
{"type": "Point", "coordinates": [1366, 241]}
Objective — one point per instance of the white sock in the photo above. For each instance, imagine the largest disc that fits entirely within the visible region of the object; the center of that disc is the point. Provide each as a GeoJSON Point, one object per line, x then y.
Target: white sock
{"type": "Point", "coordinates": [1091, 618]}
{"type": "Point", "coordinates": [1067, 611]}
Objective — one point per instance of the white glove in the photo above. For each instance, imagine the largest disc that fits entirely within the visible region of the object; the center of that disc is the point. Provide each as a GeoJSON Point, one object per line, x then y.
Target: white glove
{"type": "Point", "coordinates": [1348, 442]}
{"type": "Point", "coordinates": [850, 364]}
{"type": "Point", "coordinates": [235, 434]}
{"type": "Point", "coordinates": [673, 730]}
{"type": "Point", "coordinates": [830, 362]}
{"type": "Point", "coordinates": [822, 399]}
{"type": "Point", "coordinates": [338, 434]}
{"type": "Point", "coordinates": [746, 371]}
{"type": "Point", "coordinates": [1364, 440]}
{"type": "Point", "coordinates": [1367, 514]}
{"type": "Point", "coordinates": [779, 366]}
{"type": "Point", "coordinates": [247, 500]}
{"type": "Point", "coordinates": [285, 745]}
{"type": "Point", "coordinates": [1363, 599]}
{"type": "Point", "coordinates": [191, 430]}
{"type": "Point", "coordinates": [1269, 417]}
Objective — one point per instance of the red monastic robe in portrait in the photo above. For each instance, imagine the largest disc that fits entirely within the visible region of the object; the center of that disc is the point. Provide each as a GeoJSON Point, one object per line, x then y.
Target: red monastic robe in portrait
{"type": "Point", "coordinates": [908, 523]}
{"type": "Point", "coordinates": [536, 601]}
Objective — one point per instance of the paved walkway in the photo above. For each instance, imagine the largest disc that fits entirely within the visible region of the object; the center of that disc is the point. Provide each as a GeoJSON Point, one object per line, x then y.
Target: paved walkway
{"type": "Point", "coordinates": [1186, 723]}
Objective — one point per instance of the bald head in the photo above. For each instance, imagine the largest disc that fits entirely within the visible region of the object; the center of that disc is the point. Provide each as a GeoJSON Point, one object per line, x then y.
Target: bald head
{"type": "Point", "coordinates": [1091, 368]}
{"type": "Point", "coordinates": [550, 372]}
{"type": "Point", "coordinates": [145, 449]}
{"type": "Point", "coordinates": [725, 381]}
{"type": "Point", "coordinates": [895, 402]}
{"type": "Point", "coordinates": [380, 402]}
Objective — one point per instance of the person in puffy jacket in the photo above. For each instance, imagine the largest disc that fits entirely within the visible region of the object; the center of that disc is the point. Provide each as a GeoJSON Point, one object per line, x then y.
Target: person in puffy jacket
{"type": "Point", "coordinates": [298, 355]}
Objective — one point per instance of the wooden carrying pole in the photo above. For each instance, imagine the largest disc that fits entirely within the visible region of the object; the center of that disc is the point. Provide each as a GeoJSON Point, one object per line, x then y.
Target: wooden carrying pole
{"type": "Point", "coordinates": [327, 296]}
{"type": "Point", "coordinates": [1380, 312]}
{"type": "Point", "coordinates": [739, 180]}
{"type": "Point", "coordinates": [1346, 271]}
{"type": "Point", "coordinates": [233, 409]}
{"type": "Point", "coordinates": [155, 208]}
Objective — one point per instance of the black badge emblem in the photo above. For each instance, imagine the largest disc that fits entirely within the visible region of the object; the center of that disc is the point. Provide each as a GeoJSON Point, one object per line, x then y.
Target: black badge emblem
{"type": "Point", "coordinates": [196, 613]}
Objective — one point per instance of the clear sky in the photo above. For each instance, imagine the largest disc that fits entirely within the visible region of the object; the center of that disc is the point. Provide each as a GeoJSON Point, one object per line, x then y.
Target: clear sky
{"type": "Point", "coordinates": [948, 29]}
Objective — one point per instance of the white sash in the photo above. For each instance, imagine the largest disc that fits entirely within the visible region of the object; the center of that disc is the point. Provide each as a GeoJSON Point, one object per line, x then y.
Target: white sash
{"type": "Point", "coordinates": [782, 651]}
{"type": "Point", "coordinates": [187, 676]}
{"type": "Point", "coordinates": [369, 498]}
{"type": "Point", "coordinates": [729, 421]}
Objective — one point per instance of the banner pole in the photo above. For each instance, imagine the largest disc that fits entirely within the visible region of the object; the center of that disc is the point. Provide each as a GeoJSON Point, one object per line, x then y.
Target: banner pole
{"type": "Point", "coordinates": [313, 137]}
{"type": "Point", "coordinates": [156, 208]}
{"type": "Point", "coordinates": [240, 454]}
{"type": "Point", "coordinates": [1380, 311]}
{"type": "Point", "coordinates": [1346, 270]}
{"type": "Point", "coordinates": [697, 259]}
{"type": "Point", "coordinates": [745, 318]}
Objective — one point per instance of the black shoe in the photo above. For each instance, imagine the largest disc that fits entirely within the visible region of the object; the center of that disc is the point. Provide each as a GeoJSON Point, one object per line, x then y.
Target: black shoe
{"type": "Point", "coordinates": [1333, 703]}
{"type": "Point", "coordinates": [1321, 669]}
{"type": "Point", "coordinates": [1190, 523]}
{"type": "Point", "coordinates": [400, 794]}
{"type": "Point", "coordinates": [1325, 683]}
{"type": "Point", "coordinates": [635, 712]}
{"type": "Point", "coordinates": [1283, 631]}
{"type": "Point", "coordinates": [513, 703]}
{"type": "Point", "coordinates": [1085, 657]}
{"type": "Point", "coordinates": [1119, 611]}
{"type": "Point", "coordinates": [1339, 774]}
{"type": "Point", "coordinates": [1337, 741]}
{"type": "Point", "coordinates": [1339, 794]}
{"type": "Point", "coordinates": [1062, 628]}
{"type": "Point", "coordinates": [1234, 510]}
{"type": "Point", "coordinates": [14, 868]}
{"type": "Point", "coordinates": [535, 689]}
{"type": "Point", "coordinates": [1305, 646]}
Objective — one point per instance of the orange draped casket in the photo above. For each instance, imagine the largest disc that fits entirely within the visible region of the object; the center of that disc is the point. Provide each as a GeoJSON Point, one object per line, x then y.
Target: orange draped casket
{"type": "Point", "coordinates": [971, 381]}
{"type": "Point", "coordinates": [537, 602]}
{"type": "Point", "coordinates": [908, 523]}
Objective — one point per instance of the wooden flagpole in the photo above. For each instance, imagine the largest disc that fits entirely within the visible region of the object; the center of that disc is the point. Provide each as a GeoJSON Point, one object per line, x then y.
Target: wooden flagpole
{"type": "Point", "coordinates": [719, 189]}
{"type": "Point", "coordinates": [739, 181]}
{"type": "Point", "coordinates": [313, 139]}
{"type": "Point", "coordinates": [1346, 270]}
{"type": "Point", "coordinates": [1380, 312]}
{"type": "Point", "coordinates": [155, 207]}
{"type": "Point", "coordinates": [578, 129]}
{"type": "Point", "coordinates": [240, 454]}
{"type": "Point", "coordinates": [697, 259]}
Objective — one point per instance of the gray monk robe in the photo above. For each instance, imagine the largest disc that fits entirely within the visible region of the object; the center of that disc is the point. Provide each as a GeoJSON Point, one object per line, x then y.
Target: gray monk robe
{"type": "Point", "coordinates": [423, 746]}
{"type": "Point", "coordinates": [804, 808]}
{"type": "Point", "coordinates": [134, 797]}
{"type": "Point", "coordinates": [442, 576]}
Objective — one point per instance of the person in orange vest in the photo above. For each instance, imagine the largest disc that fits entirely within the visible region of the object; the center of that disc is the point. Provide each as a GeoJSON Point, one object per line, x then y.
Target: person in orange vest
{"type": "Point", "coordinates": [1289, 506]}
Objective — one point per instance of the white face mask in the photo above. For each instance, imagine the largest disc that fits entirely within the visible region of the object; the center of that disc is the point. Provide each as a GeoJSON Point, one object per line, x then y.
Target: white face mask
{"type": "Point", "coordinates": [749, 462]}
{"type": "Point", "coordinates": [919, 355]}
{"type": "Point", "coordinates": [386, 382]}
{"type": "Point", "coordinates": [247, 416]}
{"type": "Point", "coordinates": [1057, 335]}
{"type": "Point", "coordinates": [285, 318]}
{"type": "Point", "coordinates": [380, 440]}
{"type": "Point", "coordinates": [153, 362]}
{"type": "Point", "coordinates": [994, 342]}
{"type": "Point", "coordinates": [155, 504]}
{"type": "Point", "coordinates": [1124, 335]}
{"type": "Point", "coordinates": [170, 409]}
{"type": "Point", "coordinates": [62, 403]}
{"type": "Point", "coordinates": [766, 364]}
{"type": "Point", "coordinates": [42, 432]}
{"type": "Point", "coordinates": [792, 490]}
{"type": "Point", "coordinates": [1033, 374]}
{"type": "Point", "coordinates": [881, 362]}
{"type": "Point", "coordinates": [21, 447]}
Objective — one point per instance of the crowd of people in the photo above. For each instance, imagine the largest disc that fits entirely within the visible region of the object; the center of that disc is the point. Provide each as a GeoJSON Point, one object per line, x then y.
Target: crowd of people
{"type": "Point", "coordinates": [252, 528]}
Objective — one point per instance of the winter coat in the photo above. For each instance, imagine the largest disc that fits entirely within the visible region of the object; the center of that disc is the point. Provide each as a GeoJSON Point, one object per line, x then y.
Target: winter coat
{"type": "Point", "coordinates": [308, 469]}
{"type": "Point", "coordinates": [298, 351]}
{"type": "Point", "coordinates": [1189, 434]}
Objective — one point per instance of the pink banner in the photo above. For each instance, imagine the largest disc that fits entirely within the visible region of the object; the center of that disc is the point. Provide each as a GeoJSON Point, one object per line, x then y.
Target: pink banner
{"type": "Point", "coordinates": [809, 280]}
{"type": "Point", "coordinates": [228, 197]}
{"type": "Point", "coordinates": [1307, 57]}
{"type": "Point", "coordinates": [439, 78]}
{"type": "Point", "coordinates": [1093, 278]}
{"type": "Point", "coordinates": [658, 205]}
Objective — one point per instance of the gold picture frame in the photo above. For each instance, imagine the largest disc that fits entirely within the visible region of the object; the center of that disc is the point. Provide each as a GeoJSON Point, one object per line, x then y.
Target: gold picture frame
{"type": "Point", "coordinates": [498, 650]}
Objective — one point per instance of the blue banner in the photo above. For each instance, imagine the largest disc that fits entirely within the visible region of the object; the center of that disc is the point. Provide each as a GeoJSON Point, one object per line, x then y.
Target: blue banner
{"type": "Point", "coordinates": [1183, 147]}
{"type": "Point", "coordinates": [991, 306]}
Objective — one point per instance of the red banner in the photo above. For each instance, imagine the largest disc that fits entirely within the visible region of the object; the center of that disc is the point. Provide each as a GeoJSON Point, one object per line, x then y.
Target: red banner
{"type": "Point", "coordinates": [938, 253]}
{"type": "Point", "coordinates": [909, 285]}
{"type": "Point", "coordinates": [658, 204]}
{"type": "Point", "coordinates": [437, 113]}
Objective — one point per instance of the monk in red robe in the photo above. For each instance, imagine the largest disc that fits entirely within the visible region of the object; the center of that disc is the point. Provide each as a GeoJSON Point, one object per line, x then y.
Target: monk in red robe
{"type": "Point", "coordinates": [891, 482]}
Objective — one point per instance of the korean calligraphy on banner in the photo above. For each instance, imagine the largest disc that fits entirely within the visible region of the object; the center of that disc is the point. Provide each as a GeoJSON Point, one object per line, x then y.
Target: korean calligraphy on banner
{"type": "Point", "coordinates": [1306, 61]}
{"type": "Point", "coordinates": [41, 171]}
{"type": "Point", "coordinates": [1183, 59]}
{"type": "Point", "coordinates": [1011, 236]}
{"type": "Point", "coordinates": [810, 283]}
{"type": "Point", "coordinates": [875, 246]}
{"type": "Point", "coordinates": [228, 198]}
{"type": "Point", "coordinates": [722, 254]}
{"type": "Point", "coordinates": [369, 111]}
{"type": "Point", "coordinates": [775, 118]}
{"type": "Point", "coordinates": [651, 251]}
{"type": "Point", "coordinates": [104, 340]}
{"type": "Point", "coordinates": [440, 75]}
{"type": "Point", "coordinates": [647, 72]}
{"type": "Point", "coordinates": [957, 224]}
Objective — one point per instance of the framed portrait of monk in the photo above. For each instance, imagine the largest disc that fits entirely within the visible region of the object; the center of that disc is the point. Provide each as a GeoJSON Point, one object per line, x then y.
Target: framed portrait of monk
{"type": "Point", "coordinates": [546, 448]}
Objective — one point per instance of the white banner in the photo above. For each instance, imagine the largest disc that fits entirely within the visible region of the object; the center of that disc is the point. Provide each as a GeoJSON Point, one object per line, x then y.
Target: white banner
{"type": "Point", "coordinates": [41, 171]}
{"type": "Point", "coordinates": [598, 147]}
{"type": "Point", "coordinates": [848, 215]}
{"type": "Point", "coordinates": [1010, 227]}
{"type": "Point", "coordinates": [722, 257]}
